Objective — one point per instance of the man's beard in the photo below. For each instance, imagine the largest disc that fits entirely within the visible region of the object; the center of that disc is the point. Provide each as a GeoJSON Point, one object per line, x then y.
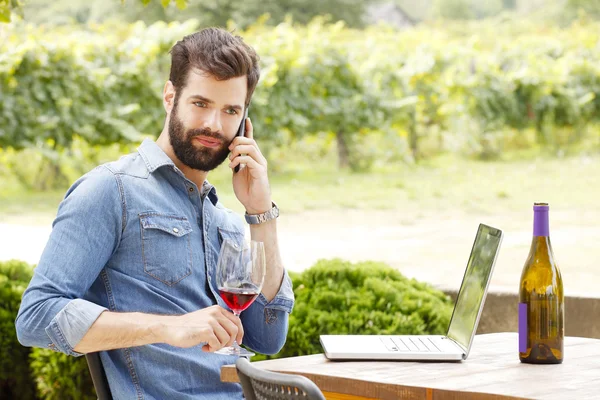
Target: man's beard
{"type": "Point", "coordinates": [204, 158]}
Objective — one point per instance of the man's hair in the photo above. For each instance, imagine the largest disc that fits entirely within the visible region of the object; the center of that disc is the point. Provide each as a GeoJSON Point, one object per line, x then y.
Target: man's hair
{"type": "Point", "coordinates": [216, 52]}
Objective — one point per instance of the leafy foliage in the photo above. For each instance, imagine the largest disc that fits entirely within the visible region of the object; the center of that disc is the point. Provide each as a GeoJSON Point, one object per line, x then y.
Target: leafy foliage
{"type": "Point", "coordinates": [15, 379]}
{"type": "Point", "coordinates": [245, 13]}
{"type": "Point", "coordinates": [468, 9]}
{"type": "Point", "coordinates": [58, 85]}
{"type": "Point", "coordinates": [207, 12]}
{"type": "Point", "coordinates": [454, 9]}
{"type": "Point", "coordinates": [6, 7]}
{"type": "Point", "coordinates": [22, 370]}
{"type": "Point", "coordinates": [61, 83]}
{"type": "Point", "coordinates": [591, 7]}
{"type": "Point", "coordinates": [438, 82]}
{"type": "Point", "coordinates": [59, 376]}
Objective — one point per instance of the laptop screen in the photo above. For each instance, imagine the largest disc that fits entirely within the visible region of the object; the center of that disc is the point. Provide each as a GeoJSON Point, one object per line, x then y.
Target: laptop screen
{"type": "Point", "coordinates": [474, 285]}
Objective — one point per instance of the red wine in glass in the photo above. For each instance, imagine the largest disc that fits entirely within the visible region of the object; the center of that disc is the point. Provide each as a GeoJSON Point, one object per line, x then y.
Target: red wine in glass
{"type": "Point", "coordinates": [238, 299]}
{"type": "Point", "coordinates": [240, 276]}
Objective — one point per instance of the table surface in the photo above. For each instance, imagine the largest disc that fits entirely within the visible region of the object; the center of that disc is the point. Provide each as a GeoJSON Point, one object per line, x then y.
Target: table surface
{"type": "Point", "coordinates": [492, 371]}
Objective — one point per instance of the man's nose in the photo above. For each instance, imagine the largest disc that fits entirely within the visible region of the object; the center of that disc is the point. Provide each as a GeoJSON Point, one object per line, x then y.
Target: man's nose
{"type": "Point", "coordinates": [212, 121]}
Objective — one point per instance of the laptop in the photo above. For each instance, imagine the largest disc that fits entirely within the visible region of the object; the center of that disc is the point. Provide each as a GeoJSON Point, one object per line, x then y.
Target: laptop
{"type": "Point", "coordinates": [456, 344]}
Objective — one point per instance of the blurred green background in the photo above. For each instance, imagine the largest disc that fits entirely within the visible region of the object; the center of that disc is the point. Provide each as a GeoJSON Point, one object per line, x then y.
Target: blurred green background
{"type": "Point", "coordinates": [351, 91]}
{"type": "Point", "coordinates": [413, 121]}
{"type": "Point", "coordinates": [392, 128]}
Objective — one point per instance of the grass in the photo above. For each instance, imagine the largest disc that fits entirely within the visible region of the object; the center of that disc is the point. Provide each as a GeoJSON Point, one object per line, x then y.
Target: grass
{"type": "Point", "coordinates": [29, 208]}
{"type": "Point", "coordinates": [445, 184]}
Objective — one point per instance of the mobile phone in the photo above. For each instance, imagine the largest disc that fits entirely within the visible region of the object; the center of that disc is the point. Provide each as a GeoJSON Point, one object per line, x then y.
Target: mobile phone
{"type": "Point", "coordinates": [241, 132]}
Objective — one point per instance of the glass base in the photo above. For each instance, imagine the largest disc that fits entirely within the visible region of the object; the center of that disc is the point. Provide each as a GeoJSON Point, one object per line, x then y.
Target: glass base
{"type": "Point", "coordinates": [235, 350]}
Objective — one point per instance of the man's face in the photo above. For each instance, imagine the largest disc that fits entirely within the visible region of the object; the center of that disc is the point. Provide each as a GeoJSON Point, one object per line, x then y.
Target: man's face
{"type": "Point", "coordinates": [205, 118]}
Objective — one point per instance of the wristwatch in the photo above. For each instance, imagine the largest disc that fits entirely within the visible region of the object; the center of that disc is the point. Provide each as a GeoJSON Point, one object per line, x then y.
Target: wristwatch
{"type": "Point", "coordinates": [256, 219]}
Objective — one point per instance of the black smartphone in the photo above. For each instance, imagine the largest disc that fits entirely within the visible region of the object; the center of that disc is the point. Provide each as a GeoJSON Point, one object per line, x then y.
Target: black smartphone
{"type": "Point", "coordinates": [241, 132]}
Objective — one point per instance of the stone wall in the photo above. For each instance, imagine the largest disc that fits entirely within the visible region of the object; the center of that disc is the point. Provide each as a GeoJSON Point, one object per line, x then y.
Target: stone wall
{"type": "Point", "coordinates": [582, 314]}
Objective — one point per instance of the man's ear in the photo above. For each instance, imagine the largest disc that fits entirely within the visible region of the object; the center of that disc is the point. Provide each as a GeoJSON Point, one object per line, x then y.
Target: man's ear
{"type": "Point", "coordinates": [168, 96]}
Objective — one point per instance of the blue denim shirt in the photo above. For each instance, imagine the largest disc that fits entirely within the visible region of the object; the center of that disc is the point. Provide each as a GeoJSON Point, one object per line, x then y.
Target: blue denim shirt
{"type": "Point", "coordinates": [135, 235]}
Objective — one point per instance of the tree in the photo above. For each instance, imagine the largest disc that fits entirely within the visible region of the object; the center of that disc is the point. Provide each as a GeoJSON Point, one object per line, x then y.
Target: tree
{"type": "Point", "coordinates": [591, 7]}
{"type": "Point", "coordinates": [454, 9]}
{"type": "Point", "coordinates": [468, 9]}
{"type": "Point", "coordinates": [8, 7]}
{"type": "Point", "coordinates": [245, 12]}
{"type": "Point", "coordinates": [487, 8]}
{"type": "Point", "coordinates": [208, 12]}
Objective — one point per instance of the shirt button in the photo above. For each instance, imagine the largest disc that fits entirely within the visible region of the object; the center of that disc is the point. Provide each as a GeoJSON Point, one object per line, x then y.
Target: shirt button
{"type": "Point", "coordinates": [175, 230]}
{"type": "Point", "coordinates": [191, 189]}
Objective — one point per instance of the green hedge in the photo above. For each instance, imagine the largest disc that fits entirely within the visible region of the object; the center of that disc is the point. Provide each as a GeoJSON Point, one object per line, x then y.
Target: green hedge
{"type": "Point", "coordinates": [101, 84]}
{"type": "Point", "coordinates": [27, 373]}
{"type": "Point", "coordinates": [459, 81]}
{"type": "Point", "coordinates": [15, 373]}
{"type": "Point", "coordinates": [59, 376]}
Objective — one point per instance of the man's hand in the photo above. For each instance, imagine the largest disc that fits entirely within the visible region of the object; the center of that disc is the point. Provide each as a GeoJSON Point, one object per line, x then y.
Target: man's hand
{"type": "Point", "coordinates": [250, 183]}
{"type": "Point", "coordinates": [214, 326]}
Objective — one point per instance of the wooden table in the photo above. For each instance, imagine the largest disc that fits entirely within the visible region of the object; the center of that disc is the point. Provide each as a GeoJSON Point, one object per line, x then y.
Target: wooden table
{"type": "Point", "coordinates": [492, 371]}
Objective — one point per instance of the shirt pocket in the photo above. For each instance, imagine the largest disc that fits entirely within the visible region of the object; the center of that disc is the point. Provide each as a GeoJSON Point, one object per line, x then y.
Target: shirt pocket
{"type": "Point", "coordinates": [166, 247]}
{"type": "Point", "coordinates": [230, 234]}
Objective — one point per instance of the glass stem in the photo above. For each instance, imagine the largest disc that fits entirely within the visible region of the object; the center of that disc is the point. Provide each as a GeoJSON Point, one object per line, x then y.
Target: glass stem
{"type": "Point", "coordinates": [235, 344]}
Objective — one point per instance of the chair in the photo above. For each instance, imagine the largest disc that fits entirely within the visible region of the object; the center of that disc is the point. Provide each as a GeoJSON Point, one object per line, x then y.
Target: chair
{"type": "Point", "coordinates": [259, 384]}
{"type": "Point", "coordinates": [98, 376]}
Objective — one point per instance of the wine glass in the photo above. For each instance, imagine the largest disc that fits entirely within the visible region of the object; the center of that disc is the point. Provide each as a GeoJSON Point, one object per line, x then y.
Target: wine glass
{"type": "Point", "coordinates": [240, 277]}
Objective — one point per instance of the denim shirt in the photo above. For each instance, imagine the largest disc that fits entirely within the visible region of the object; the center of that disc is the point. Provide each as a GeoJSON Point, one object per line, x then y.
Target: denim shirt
{"type": "Point", "coordinates": [135, 235]}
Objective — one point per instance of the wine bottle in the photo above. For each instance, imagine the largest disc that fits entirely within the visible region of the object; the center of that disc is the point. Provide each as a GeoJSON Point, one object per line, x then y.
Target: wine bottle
{"type": "Point", "coordinates": [541, 300]}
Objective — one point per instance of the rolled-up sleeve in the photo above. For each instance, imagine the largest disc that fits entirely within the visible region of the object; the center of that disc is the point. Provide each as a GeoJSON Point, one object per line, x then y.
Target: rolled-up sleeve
{"type": "Point", "coordinates": [72, 323]}
{"type": "Point", "coordinates": [266, 322]}
{"type": "Point", "coordinates": [85, 234]}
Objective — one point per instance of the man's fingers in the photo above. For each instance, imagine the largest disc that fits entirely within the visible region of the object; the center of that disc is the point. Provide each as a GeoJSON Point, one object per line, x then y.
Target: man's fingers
{"type": "Point", "coordinates": [243, 141]}
{"type": "Point", "coordinates": [249, 150]}
{"type": "Point", "coordinates": [249, 128]}
{"type": "Point", "coordinates": [240, 331]}
{"type": "Point", "coordinates": [249, 161]}
{"type": "Point", "coordinates": [231, 328]}
{"type": "Point", "coordinates": [236, 320]}
{"type": "Point", "coordinates": [213, 343]}
{"type": "Point", "coordinates": [222, 334]}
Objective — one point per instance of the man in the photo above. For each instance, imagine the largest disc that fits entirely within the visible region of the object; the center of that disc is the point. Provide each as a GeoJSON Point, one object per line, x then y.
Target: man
{"type": "Point", "coordinates": [130, 265]}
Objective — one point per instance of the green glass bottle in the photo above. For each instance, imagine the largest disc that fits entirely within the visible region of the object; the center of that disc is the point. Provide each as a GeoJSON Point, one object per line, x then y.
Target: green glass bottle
{"type": "Point", "coordinates": [541, 300]}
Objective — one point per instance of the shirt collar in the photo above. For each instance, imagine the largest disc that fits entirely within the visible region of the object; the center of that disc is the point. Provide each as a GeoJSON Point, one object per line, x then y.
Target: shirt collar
{"type": "Point", "coordinates": [154, 157]}
{"type": "Point", "coordinates": [212, 192]}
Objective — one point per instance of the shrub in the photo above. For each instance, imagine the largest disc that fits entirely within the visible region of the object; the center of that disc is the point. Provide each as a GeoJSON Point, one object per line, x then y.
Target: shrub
{"type": "Point", "coordinates": [59, 376]}
{"type": "Point", "coordinates": [15, 382]}
{"type": "Point", "coordinates": [22, 369]}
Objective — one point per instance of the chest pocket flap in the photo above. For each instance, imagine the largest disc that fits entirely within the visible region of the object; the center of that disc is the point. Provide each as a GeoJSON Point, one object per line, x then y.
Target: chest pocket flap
{"type": "Point", "coordinates": [166, 247]}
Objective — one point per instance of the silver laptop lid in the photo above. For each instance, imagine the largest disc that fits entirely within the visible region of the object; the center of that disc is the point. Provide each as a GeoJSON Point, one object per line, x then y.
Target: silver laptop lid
{"type": "Point", "coordinates": [473, 290]}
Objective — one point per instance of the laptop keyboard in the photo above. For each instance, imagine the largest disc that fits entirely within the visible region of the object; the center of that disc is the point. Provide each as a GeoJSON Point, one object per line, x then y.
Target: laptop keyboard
{"type": "Point", "coordinates": [409, 344]}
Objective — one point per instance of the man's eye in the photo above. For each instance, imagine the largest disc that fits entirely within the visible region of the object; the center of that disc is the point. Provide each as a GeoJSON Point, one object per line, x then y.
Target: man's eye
{"type": "Point", "coordinates": [232, 111]}
{"type": "Point", "coordinates": [200, 104]}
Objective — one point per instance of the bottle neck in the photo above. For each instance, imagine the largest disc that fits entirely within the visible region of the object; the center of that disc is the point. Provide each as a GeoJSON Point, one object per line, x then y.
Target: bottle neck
{"type": "Point", "coordinates": [541, 224]}
{"type": "Point", "coordinates": [540, 245]}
